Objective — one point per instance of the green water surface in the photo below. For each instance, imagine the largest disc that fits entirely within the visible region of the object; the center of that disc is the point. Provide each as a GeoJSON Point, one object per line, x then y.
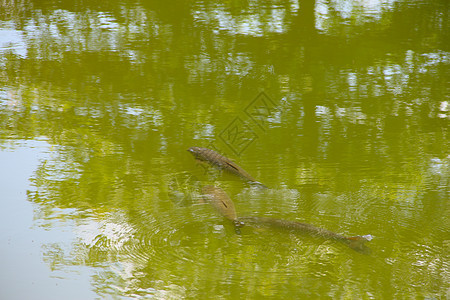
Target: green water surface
{"type": "Point", "coordinates": [341, 108]}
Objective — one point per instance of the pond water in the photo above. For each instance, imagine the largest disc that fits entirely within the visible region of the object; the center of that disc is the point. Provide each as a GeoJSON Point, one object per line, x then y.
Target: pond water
{"type": "Point", "coordinates": [341, 108]}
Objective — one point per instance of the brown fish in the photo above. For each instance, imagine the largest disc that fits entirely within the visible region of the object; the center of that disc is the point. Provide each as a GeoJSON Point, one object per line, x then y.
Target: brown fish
{"type": "Point", "coordinates": [356, 243]}
{"type": "Point", "coordinates": [225, 206]}
{"type": "Point", "coordinates": [222, 203]}
{"type": "Point", "coordinates": [214, 158]}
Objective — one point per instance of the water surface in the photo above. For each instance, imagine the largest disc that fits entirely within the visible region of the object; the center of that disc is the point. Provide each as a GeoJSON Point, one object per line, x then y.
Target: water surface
{"type": "Point", "coordinates": [340, 107]}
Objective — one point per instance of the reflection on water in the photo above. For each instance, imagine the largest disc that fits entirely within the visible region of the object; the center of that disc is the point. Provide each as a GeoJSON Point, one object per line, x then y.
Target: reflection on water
{"type": "Point", "coordinates": [26, 242]}
{"type": "Point", "coordinates": [155, 250]}
{"type": "Point", "coordinates": [340, 107]}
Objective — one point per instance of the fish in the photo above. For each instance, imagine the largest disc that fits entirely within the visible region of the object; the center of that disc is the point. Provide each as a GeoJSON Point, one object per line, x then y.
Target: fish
{"type": "Point", "coordinates": [219, 199]}
{"type": "Point", "coordinates": [222, 203]}
{"type": "Point", "coordinates": [356, 243]}
{"type": "Point", "coordinates": [222, 162]}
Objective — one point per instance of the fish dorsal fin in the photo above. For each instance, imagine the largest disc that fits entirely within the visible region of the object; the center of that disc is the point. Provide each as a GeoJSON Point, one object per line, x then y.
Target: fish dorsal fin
{"type": "Point", "coordinates": [233, 165]}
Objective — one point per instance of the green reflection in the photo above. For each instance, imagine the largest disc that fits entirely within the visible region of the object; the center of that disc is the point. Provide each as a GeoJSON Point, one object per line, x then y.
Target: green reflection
{"type": "Point", "coordinates": [340, 107]}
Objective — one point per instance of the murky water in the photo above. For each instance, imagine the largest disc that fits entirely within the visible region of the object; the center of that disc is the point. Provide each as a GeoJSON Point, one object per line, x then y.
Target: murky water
{"type": "Point", "coordinates": [341, 108]}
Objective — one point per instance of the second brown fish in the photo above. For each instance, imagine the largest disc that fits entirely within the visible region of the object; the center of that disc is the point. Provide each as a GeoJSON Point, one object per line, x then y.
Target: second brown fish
{"type": "Point", "coordinates": [222, 203]}
{"type": "Point", "coordinates": [356, 243]}
{"type": "Point", "coordinates": [214, 158]}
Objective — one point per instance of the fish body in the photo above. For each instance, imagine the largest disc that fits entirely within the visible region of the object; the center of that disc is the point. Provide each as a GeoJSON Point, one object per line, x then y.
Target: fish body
{"type": "Point", "coordinates": [356, 242]}
{"type": "Point", "coordinates": [225, 206]}
{"type": "Point", "coordinates": [214, 158]}
{"type": "Point", "coordinates": [222, 203]}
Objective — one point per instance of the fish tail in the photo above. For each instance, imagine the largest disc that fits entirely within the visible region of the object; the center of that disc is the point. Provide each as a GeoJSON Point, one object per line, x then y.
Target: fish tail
{"type": "Point", "coordinates": [357, 243]}
{"type": "Point", "coordinates": [259, 184]}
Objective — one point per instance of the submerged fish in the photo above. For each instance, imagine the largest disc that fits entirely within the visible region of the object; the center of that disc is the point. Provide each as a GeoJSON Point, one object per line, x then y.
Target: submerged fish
{"type": "Point", "coordinates": [222, 203]}
{"type": "Point", "coordinates": [214, 158]}
{"type": "Point", "coordinates": [355, 243]}
{"type": "Point", "coordinates": [225, 206]}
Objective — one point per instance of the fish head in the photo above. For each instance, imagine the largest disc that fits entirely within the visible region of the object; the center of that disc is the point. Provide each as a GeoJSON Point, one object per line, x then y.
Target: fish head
{"type": "Point", "coordinates": [197, 153]}
{"type": "Point", "coordinates": [194, 151]}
